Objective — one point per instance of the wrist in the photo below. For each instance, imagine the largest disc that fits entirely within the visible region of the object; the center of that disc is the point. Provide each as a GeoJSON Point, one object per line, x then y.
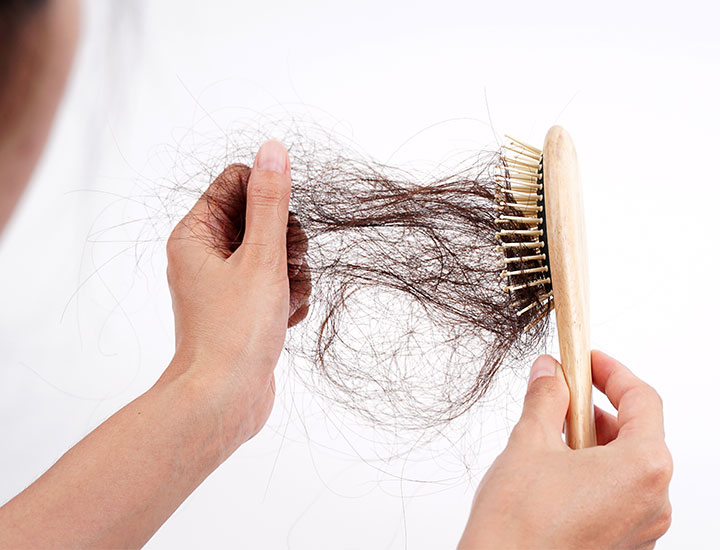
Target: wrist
{"type": "Point", "coordinates": [215, 395]}
{"type": "Point", "coordinates": [490, 529]}
{"type": "Point", "coordinates": [197, 407]}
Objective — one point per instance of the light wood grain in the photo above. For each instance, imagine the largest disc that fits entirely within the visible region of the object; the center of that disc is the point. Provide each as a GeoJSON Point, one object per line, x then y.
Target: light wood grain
{"type": "Point", "coordinates": [568, 266]}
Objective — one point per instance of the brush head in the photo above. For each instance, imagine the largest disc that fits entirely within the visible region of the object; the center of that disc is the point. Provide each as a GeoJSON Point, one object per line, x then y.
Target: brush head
{"type": "Point", "coordinates": [522, 231]}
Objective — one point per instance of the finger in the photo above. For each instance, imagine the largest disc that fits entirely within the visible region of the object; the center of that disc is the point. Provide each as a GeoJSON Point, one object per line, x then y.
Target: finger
{"type": "Point", "coordinates": [217, 220]}
{"type": "Point", "coordinates": [268, 196]}
{"type": "Point", "coordinates": [606, 425]}
{"type": "Point", "coordinates": [297, 245]}
{"type": "Point", "coordinates": [300, 289]}
{"type": "Point", "coordinates": [546, 402]}
{"type": "Point", "coordinates": [298, 316]}
{"type": "Point", "coordinates": [639, 406]}
{"type": "Point", "coordinates": [656, 526]}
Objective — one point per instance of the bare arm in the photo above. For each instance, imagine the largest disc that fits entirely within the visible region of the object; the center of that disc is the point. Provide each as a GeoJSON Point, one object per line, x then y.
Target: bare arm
{"type": "Point", "coordinates": [118, 485]}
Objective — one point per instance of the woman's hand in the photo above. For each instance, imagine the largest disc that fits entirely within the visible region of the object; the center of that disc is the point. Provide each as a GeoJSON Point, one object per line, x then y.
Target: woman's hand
{"type": "Point", "coordinates": [541, 494]}
{"type": "Point", "coordinates": [233, 303]}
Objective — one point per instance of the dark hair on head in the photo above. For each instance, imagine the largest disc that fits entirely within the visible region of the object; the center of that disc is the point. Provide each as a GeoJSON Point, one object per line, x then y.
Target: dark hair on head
{"type": "Point", "coordinates": [13, 16]}
{"type": "Point", "coordinates": [13, 13]}
{"type": "Point", "coordinates": [18, 8]}
{"type": "Point", "coordinates": [408, 324]}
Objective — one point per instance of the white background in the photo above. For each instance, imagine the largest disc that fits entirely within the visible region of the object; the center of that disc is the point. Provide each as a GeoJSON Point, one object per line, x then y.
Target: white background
{"type": "Point", "coordinates": [85, 322]}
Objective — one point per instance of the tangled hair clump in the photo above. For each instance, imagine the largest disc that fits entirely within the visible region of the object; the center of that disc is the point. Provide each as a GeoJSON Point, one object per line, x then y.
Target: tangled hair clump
{"type": "Point", "coordinates": [408, 325]}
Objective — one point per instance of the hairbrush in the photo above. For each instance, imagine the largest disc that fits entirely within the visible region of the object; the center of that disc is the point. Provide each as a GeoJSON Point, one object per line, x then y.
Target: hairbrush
{"type": "Point", "coordinates": [407, 326]}
{"type": "Point", "coordinates": [541, 229]}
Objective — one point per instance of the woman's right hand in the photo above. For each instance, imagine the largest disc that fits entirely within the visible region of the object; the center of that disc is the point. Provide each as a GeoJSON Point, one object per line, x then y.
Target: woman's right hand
{"type": "Point", "coordinates": [541, 494]}
{"type": "Point", "coordinates": [238, 279]}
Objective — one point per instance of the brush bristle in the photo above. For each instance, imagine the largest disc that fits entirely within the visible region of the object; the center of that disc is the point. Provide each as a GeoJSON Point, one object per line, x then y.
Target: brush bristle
{"type": "Point", "coordinates": [522, 231]}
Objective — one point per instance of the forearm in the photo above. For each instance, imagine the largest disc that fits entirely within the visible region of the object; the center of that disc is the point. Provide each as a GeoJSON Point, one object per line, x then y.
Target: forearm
{"type": "Point", "coordinates": [232, 307]}
{"type": "Point", "coordinates": [118, 485]}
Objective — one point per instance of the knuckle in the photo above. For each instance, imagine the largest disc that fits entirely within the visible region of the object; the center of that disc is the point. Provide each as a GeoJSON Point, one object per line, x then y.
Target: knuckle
{"type": "Point", "coordinates": [646, 395]}
{"type": "Point", "coordinates": [658, 467]}
{"type": "Point", "coordinates": [173, 247]}
{"type": "Point", "coordinates": [176, 250]}
{"type": "Point", "coordinates": [265, 257]}
{"type": "Point", "coordinates": [234, 171]}
{"type": "Point", "coordinates": [660, 399]}
{"type": "Point", "coordinates": [528, 428]}
{"type": "Point", "coordinates": [236, 168]}
{"type": "Point", "coordinates": [653, 394]}
{"type": "Point", "coordinates": [172, 276]}
{"type": "Point", "coordinates": [267, 190]}
{"type": "Point", "coordinates": [173, 269]}
{"type": "Point", "coordinates": [522, 429]}
{"type": "Point", "coordinates": [545, 389]}
{"type": "Point", "coordinates": [665, 520]}
{"type": "Point", "coordinates": [640, 391]}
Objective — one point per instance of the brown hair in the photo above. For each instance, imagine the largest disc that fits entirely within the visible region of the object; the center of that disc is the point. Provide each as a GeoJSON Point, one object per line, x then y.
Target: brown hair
{"type": "Point", "coordinates": [408, 324]}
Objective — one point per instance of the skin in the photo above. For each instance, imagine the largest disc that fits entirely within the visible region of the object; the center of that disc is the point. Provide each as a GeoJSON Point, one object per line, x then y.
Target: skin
{"type": "Point", "coordinates": [541, 494]}
{"type": "Point", "coordinates": [118, 485]}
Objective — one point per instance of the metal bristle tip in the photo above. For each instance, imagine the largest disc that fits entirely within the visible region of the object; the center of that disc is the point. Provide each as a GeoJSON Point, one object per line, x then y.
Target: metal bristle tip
{"type": "Point", "coordinates": [520, 221]}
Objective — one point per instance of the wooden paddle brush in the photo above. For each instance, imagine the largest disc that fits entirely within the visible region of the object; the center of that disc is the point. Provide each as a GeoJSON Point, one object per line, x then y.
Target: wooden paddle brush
{"type": "Point", "coordinates": [541, 229]}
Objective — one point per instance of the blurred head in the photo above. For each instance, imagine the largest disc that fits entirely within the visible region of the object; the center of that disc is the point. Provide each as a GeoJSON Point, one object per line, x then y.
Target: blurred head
{"type": "Point", "coordinates": [36, 52]}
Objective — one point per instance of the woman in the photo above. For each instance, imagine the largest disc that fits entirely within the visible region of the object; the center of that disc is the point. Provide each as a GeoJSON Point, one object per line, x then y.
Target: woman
{"type": "Point", "coordinates": [120, 483]}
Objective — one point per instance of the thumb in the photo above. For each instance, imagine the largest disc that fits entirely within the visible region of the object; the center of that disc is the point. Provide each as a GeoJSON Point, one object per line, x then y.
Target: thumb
{"type": "Point", "coordinates": [547, 399]}
{"type": "Point", "coordinates": [268, 196]}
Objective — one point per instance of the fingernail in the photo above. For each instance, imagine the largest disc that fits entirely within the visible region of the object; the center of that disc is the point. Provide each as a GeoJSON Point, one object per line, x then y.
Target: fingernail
{"type": "Point", "coordinates": [272, 157]}
{"type": "Point", "coordinates": [543, 366]}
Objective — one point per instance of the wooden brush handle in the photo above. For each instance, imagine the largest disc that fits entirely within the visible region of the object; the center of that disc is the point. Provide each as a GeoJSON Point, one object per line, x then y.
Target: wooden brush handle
{"type": "Point", "coordinates": [568, 269]}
